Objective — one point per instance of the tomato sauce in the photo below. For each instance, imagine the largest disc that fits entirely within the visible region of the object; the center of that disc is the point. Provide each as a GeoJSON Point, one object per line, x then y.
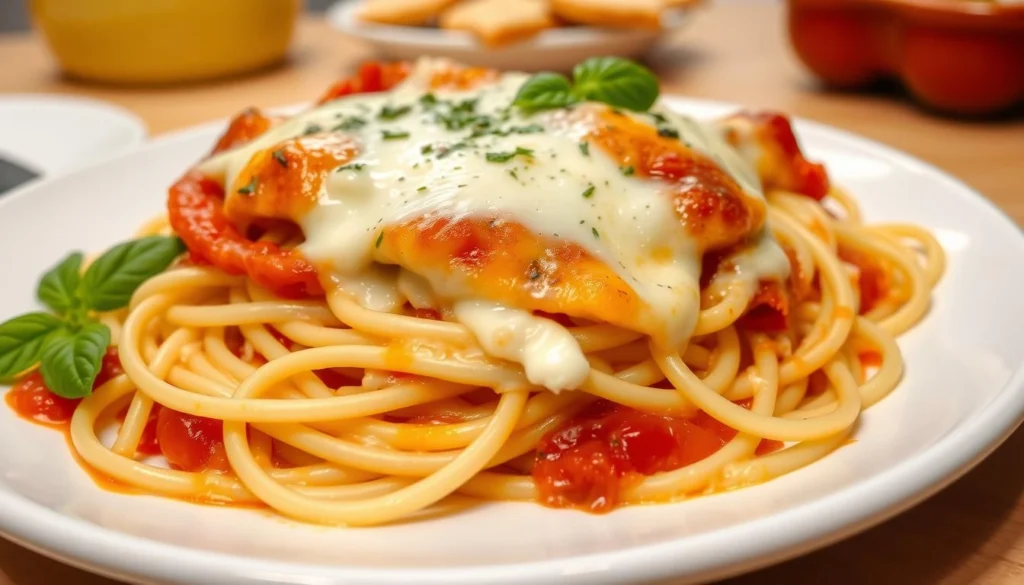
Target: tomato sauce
{"type": "Point", "coordinates": [768, 310]}
{"type": "Point", "coordinates": [872, 280]}
{"type": "Point", "coordinates": [727, 433]}
{"type": "Point", "coordinates": [149, 443]}
{"type": "Point", "coordinates": [334, 379]}
{"type": "Point", "coordinates": [589, 461]}
{"type": "Point", "coordinates": [817, 383]}
{"type": "Point", "coordinates": [783, 165]}
{"type": "Point", "coordinates": [32, 400]}
{"type": "Point", "coordinates": [426, 313]}
{"type": "Point", "coordinates": [371, 77]}
{"type": "Point", "coordinates": [870, 359]}
{"type": "Point", "coordinates": [195, 210]}
{"type": "Point", "coordinates": [247, 125]}
{"type": "Point", "coordinates": [190, 442]}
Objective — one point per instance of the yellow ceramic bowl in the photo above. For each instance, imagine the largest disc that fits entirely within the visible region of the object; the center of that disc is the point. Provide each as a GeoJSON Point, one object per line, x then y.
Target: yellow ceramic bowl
{"type": "Point", "coordinates": [165, 41]}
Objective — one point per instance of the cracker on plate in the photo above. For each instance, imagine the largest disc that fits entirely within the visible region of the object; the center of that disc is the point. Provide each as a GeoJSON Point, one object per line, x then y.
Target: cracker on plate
{"type": "Point", "coordinates": [678, 3]}
{"type": "Point", "coordinates": [403, 12]}
{"type": "Point", "coordinates": [611, 13]}
{"type": "Point", "coordinates": [499, 22]}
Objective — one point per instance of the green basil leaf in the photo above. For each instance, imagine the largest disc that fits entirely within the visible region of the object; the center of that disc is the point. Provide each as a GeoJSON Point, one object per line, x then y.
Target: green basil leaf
{"type": "Point", "coordinates": [617, 82]}
{"type": "Point", "coordinates": [59, 287]}
{"type": "Point", "coordinates": [22, 340]}
{"type": "Point", "coordinates": [109, 283]}
{"type": "Point", "coordinates": [545, 91]}
{"type": "Point", "coordinates": [71, 361]}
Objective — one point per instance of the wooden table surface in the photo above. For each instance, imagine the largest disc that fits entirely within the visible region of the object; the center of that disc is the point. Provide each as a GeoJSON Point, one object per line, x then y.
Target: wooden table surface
{"type": "Point", "coordinates": [973, 532]}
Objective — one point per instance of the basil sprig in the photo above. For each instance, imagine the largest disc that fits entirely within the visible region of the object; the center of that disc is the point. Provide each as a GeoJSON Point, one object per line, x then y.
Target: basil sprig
{"type": "Point", "coordinates": [618, 82]}
{"type": "Point", "coordinates": [69, 343]}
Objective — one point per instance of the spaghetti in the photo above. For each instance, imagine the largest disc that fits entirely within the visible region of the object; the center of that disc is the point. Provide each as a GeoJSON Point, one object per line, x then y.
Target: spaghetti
{"type": "Point", "coordinates": [263, 373]}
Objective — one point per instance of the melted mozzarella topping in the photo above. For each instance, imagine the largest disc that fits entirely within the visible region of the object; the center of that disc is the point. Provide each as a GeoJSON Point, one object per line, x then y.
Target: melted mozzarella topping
{"type": "Point", "coordinates": [549, 353]}
{"type": "Point", "coordinates": [414, 161]}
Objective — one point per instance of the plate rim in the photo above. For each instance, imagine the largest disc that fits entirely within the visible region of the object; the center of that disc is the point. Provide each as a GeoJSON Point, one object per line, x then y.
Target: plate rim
{"type": "Point", "coordinates": [721, 553]}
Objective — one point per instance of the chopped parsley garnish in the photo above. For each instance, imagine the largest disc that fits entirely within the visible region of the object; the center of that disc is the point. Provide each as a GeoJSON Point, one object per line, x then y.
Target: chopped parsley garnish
{"type": "Point", "coordinates": [462, 115]}
{"type": "Point", "coordinates": [659, 118]}
{"type": "Point", "coordinates": [512, 172]}
{"type": "Point", "coordinates": [666, 132]}
{"type": "Point", "coordinates": [389, 112]}
{"type": "Point", "coordinates": [313, 129]}
{"type": "Point", "coordinates": [427, 149]}
{"type": "Point", "coordinates": [351, 167]}
{"type": "Point", "coordinates": [588, 192]}
{"type": "Point", "coordinates": [465, 106]}
{"type": "Point", "coordinates": [457, 117]}
{"type": "Point", "coordinates": [585, 148]}
{"type": "Point", "coordinates": [428, 100]}
{"type": "Point", "coordinates": [422, 189]}
{"type": "Point", "coordinates": [459, 120]}
{"type": "Point", "coordinates": [394, 134]}
{"type": "Point", "coordinates": [500, 157]}
{"type": "Point", "coordinates": [380, 239]}
{"type": "Point", "coordinates": [448, 150]}
{"type": "Point", "coordinates": [593, 230]}
{"type": "Point", "coordinates": [627, 171]}
{"type": "Point", "coordinates": [280, 158]}
{"type": "Point", "coordinates": [529, 129]}
{"type": "Point", "coordinates": [250, 187]}
{"type": "Point", "coordinates": [353, 123]}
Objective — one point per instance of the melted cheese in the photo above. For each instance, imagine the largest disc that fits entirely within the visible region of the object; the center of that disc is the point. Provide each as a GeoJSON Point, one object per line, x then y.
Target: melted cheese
{"type": "Point", "coordinates": [412, 165]}
{"type": "Point", "coordinates": [549, 353]}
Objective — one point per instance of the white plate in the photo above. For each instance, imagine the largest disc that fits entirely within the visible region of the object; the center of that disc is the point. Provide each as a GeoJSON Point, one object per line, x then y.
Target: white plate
{"type": "Point", "coordinates": [52, 134]}
{"type": "Point", "coordinates": [962, 395]}
{"type": "Point", "coordinates": [552, 50]}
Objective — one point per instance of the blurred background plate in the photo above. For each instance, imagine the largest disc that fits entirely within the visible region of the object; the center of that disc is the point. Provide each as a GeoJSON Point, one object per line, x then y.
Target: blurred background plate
{"type": "Point", "coordinates": [49, 134]}
{"type": "Point", "coordinates": [556, 49]}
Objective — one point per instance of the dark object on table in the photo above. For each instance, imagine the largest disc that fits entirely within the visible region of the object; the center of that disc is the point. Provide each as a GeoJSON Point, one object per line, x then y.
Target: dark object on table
{"type": "Point", "coordinates": [13, 175]}
{"type": "Point", "coordinates": [957, 56]}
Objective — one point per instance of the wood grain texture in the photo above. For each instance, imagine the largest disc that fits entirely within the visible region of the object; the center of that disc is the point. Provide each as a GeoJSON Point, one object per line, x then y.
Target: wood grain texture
{"type": "Point", "coordinates": [972, 532]}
